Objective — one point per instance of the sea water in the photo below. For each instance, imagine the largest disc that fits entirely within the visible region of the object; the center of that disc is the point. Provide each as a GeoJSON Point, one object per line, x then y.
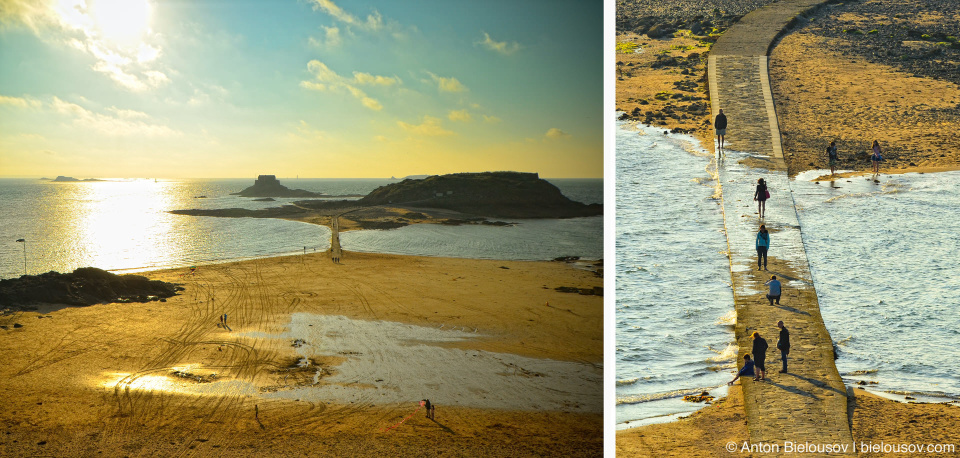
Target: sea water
{"type": "Point", "coordinates": [883, 255]}
{"type": "Point", "coordinates": [123, 225]}
{"type": "Point", "coordinates": [674, 307]}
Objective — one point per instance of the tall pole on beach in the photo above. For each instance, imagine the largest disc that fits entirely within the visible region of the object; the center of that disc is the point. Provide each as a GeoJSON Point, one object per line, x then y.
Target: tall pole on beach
{"type": "Point", "coordinates": [24, 242]}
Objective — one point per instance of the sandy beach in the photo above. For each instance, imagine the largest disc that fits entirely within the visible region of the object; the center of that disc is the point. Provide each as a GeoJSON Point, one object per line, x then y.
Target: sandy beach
{"type": "Point", "coordinates": [316, 358]}
{"type": "Point", "coordinates": [904, 98]}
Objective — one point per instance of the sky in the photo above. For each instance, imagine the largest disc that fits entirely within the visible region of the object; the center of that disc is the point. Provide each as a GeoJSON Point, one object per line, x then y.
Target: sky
{"type": "Point", "coordinates": [309, 88]}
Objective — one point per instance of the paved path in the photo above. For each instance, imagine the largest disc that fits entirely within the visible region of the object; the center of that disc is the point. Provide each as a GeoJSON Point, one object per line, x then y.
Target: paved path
{"type": "Point", "coordinates": [808, 405]}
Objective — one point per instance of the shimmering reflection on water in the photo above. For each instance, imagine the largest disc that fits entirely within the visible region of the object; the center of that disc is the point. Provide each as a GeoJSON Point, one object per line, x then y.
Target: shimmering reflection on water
{"type": "Point", "coordinates": [884, 260]}
{"type": "Point", "coordinates": [673, 321]}
{"type": "Point", "coordinates": [123, 225]}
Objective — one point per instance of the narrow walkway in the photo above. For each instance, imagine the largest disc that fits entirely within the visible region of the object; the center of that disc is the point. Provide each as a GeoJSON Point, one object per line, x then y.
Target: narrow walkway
{"type": "Point", "coordinates": [807, 405]}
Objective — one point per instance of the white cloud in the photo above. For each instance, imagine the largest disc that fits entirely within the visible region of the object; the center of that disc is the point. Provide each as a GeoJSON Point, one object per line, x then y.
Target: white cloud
{"type": "Point", "coordinates": [331, 39]}
{"type": "Point", "coordinates": [373, 22]}
{"type": "Point", "coordinates": [459, 115]}
{"type": "Point", "coordinates": [328, 80]}
{"type": "Point", "coordinates": [19, 102]}
{"type": "Point", "coordinates": [128, 114]}
{"type": "Point", "coordinates": [491, 119]}
{"type": "Point", "coordinates": [377, 80]}
{"type": "Point", "coordinates": [309, 132]}
{"type": "Point", "coordinates": [121, 125]}
{"type": "Point", "coordinates": [555, 133]}
{"type": "Point", "coordinates": [445, 84]}
{"type": "Point", "coordinates": [501, 47]}
{"type": "Point", "coordinates": [430, 127]}
{"type": "Point", "coordinates": [115, 32]}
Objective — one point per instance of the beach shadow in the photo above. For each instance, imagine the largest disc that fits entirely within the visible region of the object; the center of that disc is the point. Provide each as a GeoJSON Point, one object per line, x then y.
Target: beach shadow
{"type": "Point", "coordinates": [793, 390]}
{"type": "Point", "coordinates": [445, 428]}
{"type": "Point", "coordinates": [791, 309]}
{"type": "Point", "coordinates": [817, 383]}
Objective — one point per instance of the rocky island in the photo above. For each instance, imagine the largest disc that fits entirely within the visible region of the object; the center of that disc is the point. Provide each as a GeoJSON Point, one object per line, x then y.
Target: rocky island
{"type": "Point", "coordinates": [460, 198]}
{"type": "Point", "coordinates": [269, 186]}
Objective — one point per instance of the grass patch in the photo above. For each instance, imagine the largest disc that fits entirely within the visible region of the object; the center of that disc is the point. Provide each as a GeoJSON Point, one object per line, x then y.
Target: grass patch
{"type": "Point", "coordinates": [663, 95]}
{"type": "Point", "coordinates": [873, 32]}
{"type": "Point", "coordinates": [627, 47]}
{"type": "Point", "coordinates": [853, 31]}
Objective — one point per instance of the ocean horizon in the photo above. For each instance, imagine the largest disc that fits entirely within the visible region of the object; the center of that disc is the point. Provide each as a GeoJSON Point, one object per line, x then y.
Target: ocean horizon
{"type": "Point", "coordinates": [122, 225]}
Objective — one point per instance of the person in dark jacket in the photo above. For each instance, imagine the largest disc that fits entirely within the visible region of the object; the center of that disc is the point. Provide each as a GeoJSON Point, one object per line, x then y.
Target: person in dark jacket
{"type": "Point", "coordinates": [759, 354]}
{"type": "Point", "coordinates": [760, 195]}
{"type": "Point", "coordinates": [720, 124]}
{"type": "Point", "coordinates": [762, 244]}
{"type": "Point", "coordinates": [783, 344]}
{"type": "Point", "coordinates": [747, 369]}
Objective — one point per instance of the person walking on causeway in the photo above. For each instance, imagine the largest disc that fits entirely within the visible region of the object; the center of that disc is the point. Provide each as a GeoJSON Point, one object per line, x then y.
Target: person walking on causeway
{"type": "Point", "coordinates": [760, 355]}
{"type": "Point", "coordinates": [761, 195]}
{"type": "Point", "coordinates": [747, 369]}
{"type": "Point", "coordinates": [720, 124]}
{"type": "Point", "coordinates": [783, 344]}
{"type": "Point", "coordinates": [763, 244]}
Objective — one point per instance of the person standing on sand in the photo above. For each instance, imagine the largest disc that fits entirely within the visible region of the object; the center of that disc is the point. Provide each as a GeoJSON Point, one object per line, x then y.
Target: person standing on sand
{"type": "Point", "coordinates": [430, 408]}
{"type": "Point", "coordinates": [832, 155]}
{"type": "Point", "coordinates": [720, 124]}
{"type": "Point", "coordinates": [763, 244]}
{"type": "Point", "coordinates": [747, 369]}
{"type": "Point", "coordinates": [761, 195]}
{"type": "Point", "coordinates": [876, 157]}
{"type": "Point", "coordinates": [783, 344]}
{"type": "Point", "coordinates": [774, 294]}
{"type": "Point", "coordinates": [760, 354]}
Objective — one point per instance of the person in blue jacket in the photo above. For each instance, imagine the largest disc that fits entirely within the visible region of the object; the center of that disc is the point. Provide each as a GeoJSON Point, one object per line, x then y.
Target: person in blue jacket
{"type": "Point", "coordinates": [747, 369]}
{"type": "Point", "coordinates": [763, 244]}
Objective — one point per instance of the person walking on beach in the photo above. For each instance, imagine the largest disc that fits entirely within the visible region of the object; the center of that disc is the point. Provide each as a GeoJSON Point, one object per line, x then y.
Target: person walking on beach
{"type": "Point", "coordinates": [761, 195]}
{"type": "Point", "coordinates": [759, 355]}
{"type": "Point", "coordinates": [876, 158]}
{"type": "Point", "coordinates": [746, 370]}
{"type": "Point", "coordinates": [783, 344]}
{"type": "Point", "coordinates": [720, 124]}
{"type": "Point", "coordinates": [763, 244]}
{"type": "Point", "coordinates": [832, 156]}
{"type": "Point", "coordinates": [774, 294]}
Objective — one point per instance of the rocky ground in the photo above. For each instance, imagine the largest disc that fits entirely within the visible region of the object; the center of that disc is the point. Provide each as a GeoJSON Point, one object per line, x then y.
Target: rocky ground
{"type": "Point", "coordinates": [869, 70]}
{"type": "Point", "coordinates": [662, 52]}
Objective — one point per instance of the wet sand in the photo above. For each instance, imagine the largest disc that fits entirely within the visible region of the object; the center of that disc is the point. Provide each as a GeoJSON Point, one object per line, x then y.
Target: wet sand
{"type": "Point", "coordinates": [161, 379]}
{"type": "Point", "coordinates": [706, 432]}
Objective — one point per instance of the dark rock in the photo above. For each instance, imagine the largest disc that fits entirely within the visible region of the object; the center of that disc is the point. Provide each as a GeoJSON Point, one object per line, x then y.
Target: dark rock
{"type": "Point", "coordinates": [661, 30]}
{"type": "Point", "coordinates": [269, 186]}
{"type": "Point", "coordinates": [85, 286]}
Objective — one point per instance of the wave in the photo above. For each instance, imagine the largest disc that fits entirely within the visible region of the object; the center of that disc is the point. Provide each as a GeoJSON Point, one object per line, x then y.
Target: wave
{"type": "Point", "coordinates": [641, 398]}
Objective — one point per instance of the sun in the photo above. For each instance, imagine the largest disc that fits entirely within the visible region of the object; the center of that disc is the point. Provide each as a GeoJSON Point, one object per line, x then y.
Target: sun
{"type": "Point", "coordinates": [121, 21]}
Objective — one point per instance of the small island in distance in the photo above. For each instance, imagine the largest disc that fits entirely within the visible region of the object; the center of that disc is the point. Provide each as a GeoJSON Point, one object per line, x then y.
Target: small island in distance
{"type": "Point", "coordinates": [460, 198]}
{"type": "Point", "coordinates": [65, 179]}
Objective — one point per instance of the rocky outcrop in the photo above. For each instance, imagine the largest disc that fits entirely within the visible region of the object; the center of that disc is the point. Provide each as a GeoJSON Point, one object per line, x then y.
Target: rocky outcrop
{"type": "Point", "coordinates": [269, 186]}
{"type": "Point", "coordinates": [85, 286]}
{"type": "Point", "coordinates": [498, 194]}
